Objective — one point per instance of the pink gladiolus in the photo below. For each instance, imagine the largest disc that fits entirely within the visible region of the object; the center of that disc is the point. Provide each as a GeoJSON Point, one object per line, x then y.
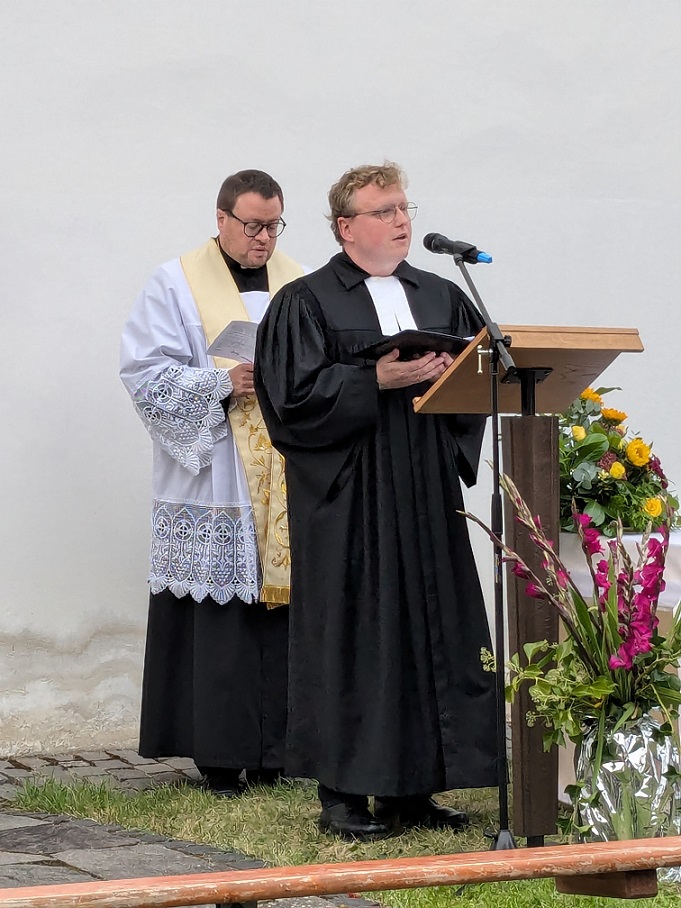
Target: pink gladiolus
{"type": "Point", "coordinates": [602, 575]}
{"type": "Point", "coordinates": [562, 579]}
{"type": "Point", "coordinates": [592, 542]}
{"type": "Point", "coordinates": [582, 520]}
{"type": "Point", "coordinates": [534, 591]}
{"type": "Point", "coordinates": [621, 660]}
{"type": "Point", "coordinates": [654, 548]}
{"type": "Point", "coordinates": [520, 570]}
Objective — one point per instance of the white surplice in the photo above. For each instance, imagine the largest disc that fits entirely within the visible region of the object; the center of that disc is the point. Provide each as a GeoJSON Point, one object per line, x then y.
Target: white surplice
{"type": "Point", "coordinates": [203, 532]}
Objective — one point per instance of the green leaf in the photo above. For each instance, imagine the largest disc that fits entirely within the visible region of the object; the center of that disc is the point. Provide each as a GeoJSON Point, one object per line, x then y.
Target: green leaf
{"type": "Point", "coordinates": [574, 791]}
{"type": "Point", "coordinates": [593, 447]}
{"type": "Point", "coordinates": [669, 696]}
{"type": "Point", "coordinates": [531, 649]}
{"type": "Point", "coordinates": [627, 713]}
{"type": "Point", "coordinates": [603, 391]}
{"type": "Point", "coordinates": [595, 512]}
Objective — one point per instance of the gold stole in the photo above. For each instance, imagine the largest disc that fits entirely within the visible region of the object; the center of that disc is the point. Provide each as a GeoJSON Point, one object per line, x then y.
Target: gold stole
{"type": "Point", "coordinates": [219, 302]}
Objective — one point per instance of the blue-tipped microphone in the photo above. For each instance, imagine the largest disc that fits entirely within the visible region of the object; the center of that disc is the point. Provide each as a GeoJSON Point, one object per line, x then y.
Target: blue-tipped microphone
{"type": "Point", "coordinates": [436, 242]}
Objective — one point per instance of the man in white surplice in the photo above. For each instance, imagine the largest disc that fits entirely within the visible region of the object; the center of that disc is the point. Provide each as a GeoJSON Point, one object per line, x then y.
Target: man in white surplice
{"type": "Point", "coordinates": [215, 676]}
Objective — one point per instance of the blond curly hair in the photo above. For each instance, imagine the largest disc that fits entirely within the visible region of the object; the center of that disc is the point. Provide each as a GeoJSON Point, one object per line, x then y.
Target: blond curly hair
{"type": "Point", "coordinates": [341, 194]}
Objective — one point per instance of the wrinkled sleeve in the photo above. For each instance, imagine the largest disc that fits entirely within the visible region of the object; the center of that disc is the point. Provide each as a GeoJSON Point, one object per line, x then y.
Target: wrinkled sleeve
{"type": "Point", "coordinates": [467, 429]}
{"type": "Point", "coordinates": [179, 402]}
{"type": "Point", "coordinates": [309, 401]}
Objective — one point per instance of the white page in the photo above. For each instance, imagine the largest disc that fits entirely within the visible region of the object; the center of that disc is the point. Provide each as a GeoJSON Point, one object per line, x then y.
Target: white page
{"type": "Point", "coordinates": [236, 341]}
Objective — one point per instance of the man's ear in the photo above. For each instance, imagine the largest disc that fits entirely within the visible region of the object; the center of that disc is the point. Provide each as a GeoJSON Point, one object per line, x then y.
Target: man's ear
{"type": "Point", "coordinates": [220, 217]}
{"type": "Point", "coordinates": [345, 229]}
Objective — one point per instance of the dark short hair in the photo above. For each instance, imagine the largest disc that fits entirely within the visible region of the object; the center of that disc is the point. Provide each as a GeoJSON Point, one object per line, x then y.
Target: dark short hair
{"type": "Point", "coordinates": [248, 181]}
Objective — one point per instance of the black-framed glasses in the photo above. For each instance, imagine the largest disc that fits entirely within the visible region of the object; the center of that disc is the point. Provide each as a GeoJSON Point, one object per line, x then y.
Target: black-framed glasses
{"type": "Point", "coordinates": [389, 213]}
{"type": "Point", "coordinates": [253, 228]}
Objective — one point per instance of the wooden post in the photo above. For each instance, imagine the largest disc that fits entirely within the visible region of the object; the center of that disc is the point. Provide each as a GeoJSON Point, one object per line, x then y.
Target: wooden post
{"type": "Point", "coordinates": [530, 456]}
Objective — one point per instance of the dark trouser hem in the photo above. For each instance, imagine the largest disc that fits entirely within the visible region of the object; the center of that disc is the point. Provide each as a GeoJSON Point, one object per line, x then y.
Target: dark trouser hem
{"type": "Point", "coordinates": [219, 774]}
{"type": "Point", "coordinates": [407, 802]}
{"type": "Point", "coordinates": [329, 797]}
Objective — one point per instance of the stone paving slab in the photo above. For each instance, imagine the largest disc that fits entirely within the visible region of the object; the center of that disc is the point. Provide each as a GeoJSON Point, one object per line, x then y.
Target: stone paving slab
{"type": "Point", "coordinates": [49, 838]}
{"type": "Point", "coordinates": [40, 875]}
{"type": "Point", "coordinates": [16, 857]}
{"type": "Point", "coordinates": [110, 853]}
{"type": "Point", "coordinates": [32, 762]}
{"type": "Point", "coordinates": [140, 861]}
{"type": "Point", "coordinates": [16, 821]}
{"type": "Point", "coordinates": [37, 849]}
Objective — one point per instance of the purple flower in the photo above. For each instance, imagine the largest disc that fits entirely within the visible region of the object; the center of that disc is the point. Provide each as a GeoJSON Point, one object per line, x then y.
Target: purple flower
{"type": "Point", "coordinates": [655, 467]}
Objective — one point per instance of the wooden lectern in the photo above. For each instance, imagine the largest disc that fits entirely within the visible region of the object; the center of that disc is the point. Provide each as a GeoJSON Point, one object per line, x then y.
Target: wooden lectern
{"type": "Point", "coordinates": [561, 363]}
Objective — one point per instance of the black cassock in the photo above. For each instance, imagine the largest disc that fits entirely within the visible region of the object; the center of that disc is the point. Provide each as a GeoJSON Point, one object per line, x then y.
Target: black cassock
{"type": "Point", "coordinates": [387, 695]}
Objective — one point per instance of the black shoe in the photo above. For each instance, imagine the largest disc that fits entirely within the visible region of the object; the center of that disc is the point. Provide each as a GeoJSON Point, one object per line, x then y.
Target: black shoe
{"type": "Point", "coordinates": [350, 824]}
{"type": "Point", "coordinates": [421, 812]}
{"type": "Point", "coordinates": [264, 776]}
{"type": "Point", "coordinates": [223, 784]}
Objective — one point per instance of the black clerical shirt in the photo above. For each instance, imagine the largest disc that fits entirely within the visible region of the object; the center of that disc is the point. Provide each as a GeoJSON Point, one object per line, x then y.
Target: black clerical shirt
{"type": "Point", "coordinates": [246, 279]}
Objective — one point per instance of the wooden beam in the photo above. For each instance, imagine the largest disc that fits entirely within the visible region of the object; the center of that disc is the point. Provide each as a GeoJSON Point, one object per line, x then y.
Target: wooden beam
{"type": "Point", "coordinates": [361, 876]}
{"type": "Point", "coordinates": [530, 457]}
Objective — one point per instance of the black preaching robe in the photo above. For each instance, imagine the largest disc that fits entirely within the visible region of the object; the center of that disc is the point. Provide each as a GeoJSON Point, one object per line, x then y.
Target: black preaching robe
{"type": "Point", "coordinates": [387, 695]}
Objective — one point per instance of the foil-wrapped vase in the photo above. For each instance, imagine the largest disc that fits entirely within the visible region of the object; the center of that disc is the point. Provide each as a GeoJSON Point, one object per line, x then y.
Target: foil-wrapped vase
{"type": "Point", "coordinates": [635, 793]}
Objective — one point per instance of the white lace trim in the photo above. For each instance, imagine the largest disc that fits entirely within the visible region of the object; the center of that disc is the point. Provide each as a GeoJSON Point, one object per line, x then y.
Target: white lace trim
{"type": "Point", "coordinates": [182, 410]}
{"type": "Point", "coordinates": [204, 551]}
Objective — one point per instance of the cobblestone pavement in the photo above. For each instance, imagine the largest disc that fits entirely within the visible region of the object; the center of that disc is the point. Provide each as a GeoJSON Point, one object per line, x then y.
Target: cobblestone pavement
{"type": "Point", "coordinates": [42, 848]}
{"type": "Point", "coordinates": [121, 768]}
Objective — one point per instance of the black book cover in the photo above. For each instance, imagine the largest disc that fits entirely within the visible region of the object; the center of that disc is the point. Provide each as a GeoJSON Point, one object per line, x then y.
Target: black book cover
{"type": "Point", "coordinates": [413, 342]}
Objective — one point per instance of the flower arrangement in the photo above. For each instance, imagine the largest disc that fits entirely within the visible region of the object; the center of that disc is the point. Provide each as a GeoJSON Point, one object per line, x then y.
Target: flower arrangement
{"type": "Point", "coordinates": [607, 474]}
{"type": "Point", "coordinates": [612, 667]}
{"type": "Point", "coordinates": [612, 663]}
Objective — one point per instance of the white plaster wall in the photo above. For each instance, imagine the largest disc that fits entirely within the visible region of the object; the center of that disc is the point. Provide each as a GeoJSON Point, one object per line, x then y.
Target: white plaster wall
{"type": "Point", "coordinates": [547, 133]}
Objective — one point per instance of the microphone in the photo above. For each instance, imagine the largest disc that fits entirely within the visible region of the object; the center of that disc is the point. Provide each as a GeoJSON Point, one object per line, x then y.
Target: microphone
{"type": "Point", "coordinates": [436, 242]}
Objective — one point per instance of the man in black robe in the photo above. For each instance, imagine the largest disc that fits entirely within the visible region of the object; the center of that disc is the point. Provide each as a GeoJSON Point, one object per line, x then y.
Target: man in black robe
{"type": "Point", "coordinates": [387, 694]}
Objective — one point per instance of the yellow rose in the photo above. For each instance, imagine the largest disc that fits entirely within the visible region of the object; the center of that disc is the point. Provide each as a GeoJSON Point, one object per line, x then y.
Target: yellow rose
{"type": "Point", "coordinates": [617, 470]}
{"type": "Point", "coordinates": [590, 394]}
{"type": "Point", "coordinates": [615, 417]}
{"type": "Point", "coordinates": [638, 452]}
{"type": "Point", "coordinates": [578, 433]}
{"type": "Point", "coordinates": [653, 507]}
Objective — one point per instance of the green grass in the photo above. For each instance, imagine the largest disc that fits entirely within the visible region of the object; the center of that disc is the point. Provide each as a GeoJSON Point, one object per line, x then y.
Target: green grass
{"type": "Point", "coordinates": [279, 825]}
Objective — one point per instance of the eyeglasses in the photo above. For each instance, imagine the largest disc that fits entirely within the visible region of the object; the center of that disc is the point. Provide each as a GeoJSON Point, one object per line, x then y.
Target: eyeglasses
{"type": "Point", "coordinates": [388, 215]}
{"type": "Point", "coordinates": [253, 228]}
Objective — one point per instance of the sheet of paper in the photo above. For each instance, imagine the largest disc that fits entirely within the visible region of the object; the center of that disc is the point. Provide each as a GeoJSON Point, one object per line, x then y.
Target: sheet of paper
{"type": "Point", "coordinates": [236, 341]}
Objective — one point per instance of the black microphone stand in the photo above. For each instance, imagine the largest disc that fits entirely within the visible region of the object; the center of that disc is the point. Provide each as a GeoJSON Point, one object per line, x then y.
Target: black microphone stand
{"type": "Point", "coordinates": [498, 351]}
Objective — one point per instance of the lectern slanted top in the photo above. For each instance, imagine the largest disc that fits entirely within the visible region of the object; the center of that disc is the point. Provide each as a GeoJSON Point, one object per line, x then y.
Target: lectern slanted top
{"type": "Point", "coordinates": [575, 356]}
